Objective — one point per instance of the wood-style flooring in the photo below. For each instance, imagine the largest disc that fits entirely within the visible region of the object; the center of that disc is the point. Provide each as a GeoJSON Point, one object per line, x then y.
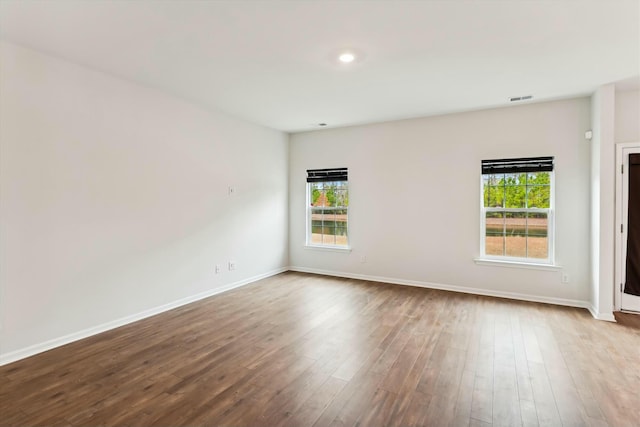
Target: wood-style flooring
{"type": "Point", "coordinates": [306, 350]}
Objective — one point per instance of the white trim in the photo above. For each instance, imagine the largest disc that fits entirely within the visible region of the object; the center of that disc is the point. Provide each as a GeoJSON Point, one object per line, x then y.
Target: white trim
{"type": "Point", "coordinates": [516, 264]}
{"type": "Point", "coordinates": [453, 288]}
{"type": "Point", "coordinates": [518, 210]}
{"type": "Point", "coordinates": [309, 221]}
{"type": "Point", "coordinates": [57, 342]}
{"type": "Point", "coordinates": [328, 248]}
{"type": "Point", "coordinates": [620, 219]}
{"type": "Point", "coordinates": [550, 211]}
{"type": "Point", "coordinates": [601, 316]}
{"type": "Point", "coordinates": [66, 339]}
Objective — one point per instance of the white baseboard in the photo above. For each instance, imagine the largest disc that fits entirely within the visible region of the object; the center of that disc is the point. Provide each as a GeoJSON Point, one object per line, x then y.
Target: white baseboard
{"type": "Point", "coordinates": [57, 342]}
{"type": "Point", "coordinates": [601, 316]}
{"type": "Point", "coordinates": [431, 285]}
{"type": "Point", "coordinates": [66, 339]}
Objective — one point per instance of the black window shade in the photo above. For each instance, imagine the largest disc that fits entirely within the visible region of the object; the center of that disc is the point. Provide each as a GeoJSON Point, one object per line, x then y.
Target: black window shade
{"type": "Point", "coordinates": [531, 164]}
{"type": "Point", "coordinates": [327, 175]}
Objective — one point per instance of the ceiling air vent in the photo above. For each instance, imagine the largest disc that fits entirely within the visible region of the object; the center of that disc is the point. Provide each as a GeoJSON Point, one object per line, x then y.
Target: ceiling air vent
{"type": "Point", "coordinates": [520, 98]}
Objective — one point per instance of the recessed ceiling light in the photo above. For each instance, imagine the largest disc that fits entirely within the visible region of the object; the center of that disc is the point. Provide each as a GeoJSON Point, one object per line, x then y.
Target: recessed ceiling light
{"type": "Point", "coordinates": [346, 57]}
{"type": "Point", "coordinates": [322, 124]}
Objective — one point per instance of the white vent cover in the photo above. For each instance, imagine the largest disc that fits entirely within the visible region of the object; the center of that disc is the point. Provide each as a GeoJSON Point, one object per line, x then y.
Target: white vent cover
{"type": "Point", "coordinates": [520, 98]}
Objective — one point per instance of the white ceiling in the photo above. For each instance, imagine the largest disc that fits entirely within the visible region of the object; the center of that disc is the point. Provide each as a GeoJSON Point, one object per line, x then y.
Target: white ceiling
{"type": "Point", "coordinates": [274, 62]}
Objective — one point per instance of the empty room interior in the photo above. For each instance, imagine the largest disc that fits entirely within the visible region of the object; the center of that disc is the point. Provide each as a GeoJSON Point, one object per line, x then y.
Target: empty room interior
{"type": "Point", "coordinates": [320, 213]}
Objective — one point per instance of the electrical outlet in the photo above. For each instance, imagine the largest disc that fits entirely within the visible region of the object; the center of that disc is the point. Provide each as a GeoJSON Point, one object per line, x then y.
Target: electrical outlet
{"type": "Point", "coordinates": [565, 278]}
{"type": "Point", "coordinates": [363, 258]}
{"type": "Point", "coordinates": [218, 268]}
{"type": "Point", "coordinates": [232, 265]}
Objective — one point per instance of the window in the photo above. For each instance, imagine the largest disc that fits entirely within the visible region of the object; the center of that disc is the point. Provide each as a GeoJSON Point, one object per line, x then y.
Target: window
{"type": "Point", "coordinates": [327, 208]}
{"type": "Point", "coordinates": [517, 210]}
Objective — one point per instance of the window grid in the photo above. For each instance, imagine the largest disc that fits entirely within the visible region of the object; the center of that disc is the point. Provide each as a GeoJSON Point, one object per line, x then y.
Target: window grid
{"type": "Point", "coordinates": [519, 219]}
{"type": "Point", "coordinates": [328, 221]}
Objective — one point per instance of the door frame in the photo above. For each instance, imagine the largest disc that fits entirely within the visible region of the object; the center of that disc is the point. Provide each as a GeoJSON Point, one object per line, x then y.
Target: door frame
{"type": "Point", "coordinates": [620, 219]}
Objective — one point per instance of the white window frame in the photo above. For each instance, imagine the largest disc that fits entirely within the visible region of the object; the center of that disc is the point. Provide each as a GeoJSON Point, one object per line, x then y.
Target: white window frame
{"type": "Point", "coordinates": [309, 223]}
{"type": "Point", "coordinates": [550, 260]}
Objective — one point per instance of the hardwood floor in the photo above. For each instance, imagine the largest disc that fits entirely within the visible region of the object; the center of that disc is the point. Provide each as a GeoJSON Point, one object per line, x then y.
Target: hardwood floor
{"type": "Point", "coordinates": [306, 350]}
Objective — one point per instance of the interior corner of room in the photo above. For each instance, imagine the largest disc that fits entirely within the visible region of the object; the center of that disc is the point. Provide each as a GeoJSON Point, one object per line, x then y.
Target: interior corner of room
{"type": "Point", "coordinates": [119, 201]}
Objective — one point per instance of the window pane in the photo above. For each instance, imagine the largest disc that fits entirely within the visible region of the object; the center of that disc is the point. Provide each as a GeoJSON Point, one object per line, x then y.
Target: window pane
{"type": "Point", "coordinates": [320, 215]}
{"type": "Point", "coordinates": [511, 179]}
{"type": "Point", "coordinates": [341, 185]}
{"type": "Point", "coordinates": [341, 234]}
{"type": "Point", "coordinates": [319, 194]}
{"type": "Point", "coordinates": [321, 198]}
{"type": "Point", "coordinates": [315, 189]}
{"type": "Point", "coordinates": [328, 238]}
{"type": "Point", "coordinates": [493, 190]}
{"type": "Point", "coordinates": [328, 225]}
{"type": "Point", "coordinates": [341, 221]}
{"type": "Point", "coordinates": [486, 179]}
{"type": "Point", "coordinates": [328, 215]}
{"type": "Point", "coordinates": [539, 191]}
{"type": "Point", "coordinates": [516, 234]}
{"type": "Point", "coordinates": [494, 233]}
{"type": "Point", "coordinates": [538, 239]}
{"type": "Point", "coordinates": [341, 227]}
{"type": "Point", "coordinates": [515, 196]}
{"type": "Point", "coordinates": [540, 178]}
{"type": "Point", "coordinates": [341, 198]}
{"type": "Point", "coordinates": [316, 235]}
{"type": "Point", "coordinates": [538, 196]}
{"type": "Point", "coordinates": [316, 226]}
{"type": "Point", "coordinates": [522, 179]}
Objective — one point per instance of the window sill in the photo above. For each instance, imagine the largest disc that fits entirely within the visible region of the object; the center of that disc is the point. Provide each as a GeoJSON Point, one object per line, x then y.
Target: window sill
{"type": "Point", "coordinates": [516, 264]}
{"type": "Point", "coordinates": [342, 249]}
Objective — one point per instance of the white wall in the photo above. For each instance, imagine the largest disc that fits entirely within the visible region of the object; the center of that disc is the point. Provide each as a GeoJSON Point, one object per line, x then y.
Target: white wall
{"type": "Point", "coordinates": [114, 199]}
{"type": "Point", "coordinates": [594, 229]}
{"type": "Point", "coordinates": [602, 201]}
{"type": "Point", "coordinates": [627, 116]}
{"type": "Point", "coordinates": [627, 130]}
{"type": "Point", "coordinates": [415, 195]}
